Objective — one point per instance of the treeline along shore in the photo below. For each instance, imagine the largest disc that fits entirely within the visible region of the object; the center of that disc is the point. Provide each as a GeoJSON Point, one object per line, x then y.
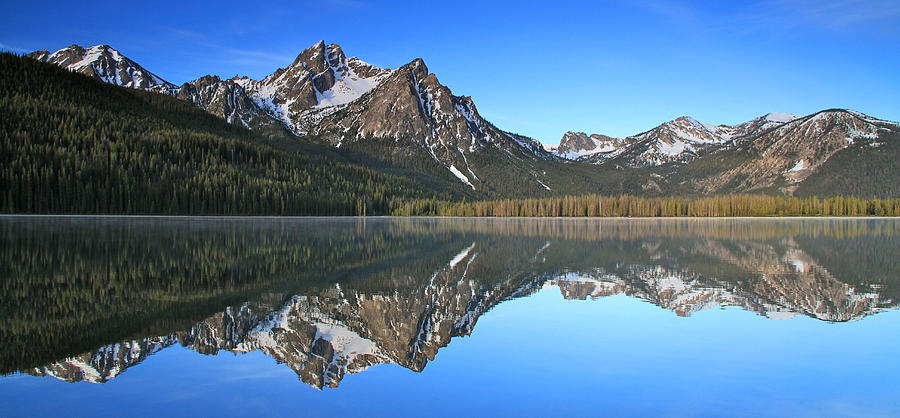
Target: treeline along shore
{"type": "Point", "coordinates": [634, 206]}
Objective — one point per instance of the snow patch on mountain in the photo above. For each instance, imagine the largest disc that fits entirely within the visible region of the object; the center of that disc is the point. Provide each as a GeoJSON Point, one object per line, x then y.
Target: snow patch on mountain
{"type": "Point", "coordinates": [801, 165]}
{"type": "Point", "coordinates": [348, 86]}
{"type": "Point", "coordinates": [462, 177]}
{"type": "Point", "coordinates": [108, 65]}
{"type": "Point", "coordinates": [780, 117]}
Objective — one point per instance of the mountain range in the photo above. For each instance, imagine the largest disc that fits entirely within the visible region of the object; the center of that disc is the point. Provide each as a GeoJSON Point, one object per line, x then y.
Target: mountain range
{"type": "Point", "coordinates": [405, 117]}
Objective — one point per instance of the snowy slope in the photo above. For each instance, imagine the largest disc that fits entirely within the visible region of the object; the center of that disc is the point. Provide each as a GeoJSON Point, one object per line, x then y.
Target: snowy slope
{"type": "Point", "coordinates": [106, 64]}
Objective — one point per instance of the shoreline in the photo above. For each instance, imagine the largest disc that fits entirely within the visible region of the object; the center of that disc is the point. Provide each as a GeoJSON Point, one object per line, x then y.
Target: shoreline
{"type": "Point", "coordinates": [25, 215]}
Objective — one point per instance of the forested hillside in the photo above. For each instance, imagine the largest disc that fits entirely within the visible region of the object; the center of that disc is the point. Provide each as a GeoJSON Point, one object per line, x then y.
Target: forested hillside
{"type": "Point", "coordinates": [871, 169]}
{"type": "Point", "coordinates": [70, 144]}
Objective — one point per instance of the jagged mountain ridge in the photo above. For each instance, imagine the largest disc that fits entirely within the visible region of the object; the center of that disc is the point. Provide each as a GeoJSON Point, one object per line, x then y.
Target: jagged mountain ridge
{"type": "Point", "coordinates": [678, 140]}
{"type": "Point", "coordinates": [773, 153]}
{"type": "Point", "coordinates": [228, 100]}
{"type": "Point", "coordinates": [575, 145]}
{"type": "Point", "coordinates": [104, 63]}
{"type": "Point", "coordinates": [406, 115]}
{"type": "Point", "coordinates": [325, 95]}
{"type": "Point", "coordinates": [320, 79]}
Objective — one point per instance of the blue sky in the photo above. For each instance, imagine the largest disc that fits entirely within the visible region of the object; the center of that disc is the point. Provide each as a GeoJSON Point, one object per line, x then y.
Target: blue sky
{"type": "Point", "coordinates": [536, 68]}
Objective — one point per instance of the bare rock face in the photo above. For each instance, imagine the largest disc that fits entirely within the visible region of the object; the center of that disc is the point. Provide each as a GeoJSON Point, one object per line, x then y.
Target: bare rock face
{"type": "Point", "coordinates": [412, 105]}
{"type": "Point", "coordinates": [228, 100]}
{"type": "Point", "coordinates": [223, 98]}
{"type": "Point", "coordinates": [575, 145]}
{"type": "Point", "coordinates": [104, 63]}
{"type": "Point", "coordinates": [575, 141]}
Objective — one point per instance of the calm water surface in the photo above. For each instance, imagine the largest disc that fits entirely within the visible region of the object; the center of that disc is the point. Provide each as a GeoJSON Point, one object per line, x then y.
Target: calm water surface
{"type": "Point", "coordinates": [398, 317]}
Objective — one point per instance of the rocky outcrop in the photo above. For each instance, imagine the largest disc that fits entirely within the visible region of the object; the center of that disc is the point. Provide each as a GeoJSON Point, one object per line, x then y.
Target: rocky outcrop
{"type": "Point", "coordinates": [575, 145]}
{"type": "Point", "coordinates": [228, 100]}
{"type": "Point", "coordinates": [222, 98]}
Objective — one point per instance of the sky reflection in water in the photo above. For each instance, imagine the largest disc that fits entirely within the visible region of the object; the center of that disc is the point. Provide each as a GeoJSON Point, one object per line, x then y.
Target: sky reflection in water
{"type": "Point", "coordinates": [412, 288]}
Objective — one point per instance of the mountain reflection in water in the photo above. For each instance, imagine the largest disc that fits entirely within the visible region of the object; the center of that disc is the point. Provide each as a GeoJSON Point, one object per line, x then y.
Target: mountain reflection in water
{"type": "Point", "coordinates": [327, 297]}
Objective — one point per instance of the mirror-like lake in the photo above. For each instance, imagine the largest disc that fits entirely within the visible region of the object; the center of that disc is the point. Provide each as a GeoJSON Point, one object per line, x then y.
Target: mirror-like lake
{"type": "Point", "coordinates": [388, 317]}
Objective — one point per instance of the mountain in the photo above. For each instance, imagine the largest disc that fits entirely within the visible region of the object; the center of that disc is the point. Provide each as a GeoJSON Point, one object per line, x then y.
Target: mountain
{"type": "Point", "coordinates": [774, 153]}
{"type": "Point", "coordinates": [320, 80]}
{"type": "Point", "coordinates": [779, 158]}
{"type": "Point", "coordinates": [107, 149]}
{"type": "Point", "coordinates": [404, 116]}
{"type": "Point", "coordinates": [104, 63]}
{"type": "Point", "coordinates": [405, 122]}
{"type": "Point", "coordinates": [228, 100]}
{"type": "Point", "coordinates": [575, 145]}
{"type": "Point", "coordinates": [411, 107]}
{"type": "Point", "coordinates": [326, 97]}
{"type": "Point", "coordinates": [677, 141]}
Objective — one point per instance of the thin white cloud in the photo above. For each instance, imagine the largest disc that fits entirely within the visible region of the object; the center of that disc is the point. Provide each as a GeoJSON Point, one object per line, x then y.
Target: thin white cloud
{"type": "Point", "coordinates": [850, 12]}
{"type": "Point", "coordinates": [341, 4]}
{"type": "Point", "coordinates": [675, 11]}
{"type": "Point", "coordinates": [245, 57]}
{"type": "Point", "coordinates": [261, 55]}
{"type": "Point", "coordinates": [5, 47]}
{"type": "Point", "coordinates": [837, 14]}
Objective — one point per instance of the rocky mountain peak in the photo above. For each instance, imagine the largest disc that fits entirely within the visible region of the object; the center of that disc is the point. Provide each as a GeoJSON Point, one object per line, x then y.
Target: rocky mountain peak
{"type": "Point", "coordinates": [575, 142]}
{"type": "Point", "coordinates": [314, 58]}
{"type": "Point", "coordinates": [576, 145]}
{"type": "Point", "coordinates": [335, 57]}
{"type": "Point", "coordinates": [106, 64]}
{"type": "Point", "coordinates": [364, 69]}
{"type": "Point", "coordinates": [417, 68]}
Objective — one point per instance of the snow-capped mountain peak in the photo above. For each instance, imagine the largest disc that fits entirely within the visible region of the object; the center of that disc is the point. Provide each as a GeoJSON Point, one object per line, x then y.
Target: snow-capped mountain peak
{"type": "Point", "coordinates": [684, 139]}
{"type": "Point", "coordinates": [348, 85]}
{"type": "Point", "coordinates": [319, 81]}
{"type": "Point", "coordinates": [780, 117]}
{"type": "Point", "coordinates": [106, 64]}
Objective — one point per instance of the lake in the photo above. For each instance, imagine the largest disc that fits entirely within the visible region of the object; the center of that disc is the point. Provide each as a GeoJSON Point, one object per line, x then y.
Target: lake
{"type": "Point", "coordinates": [448, 317]}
